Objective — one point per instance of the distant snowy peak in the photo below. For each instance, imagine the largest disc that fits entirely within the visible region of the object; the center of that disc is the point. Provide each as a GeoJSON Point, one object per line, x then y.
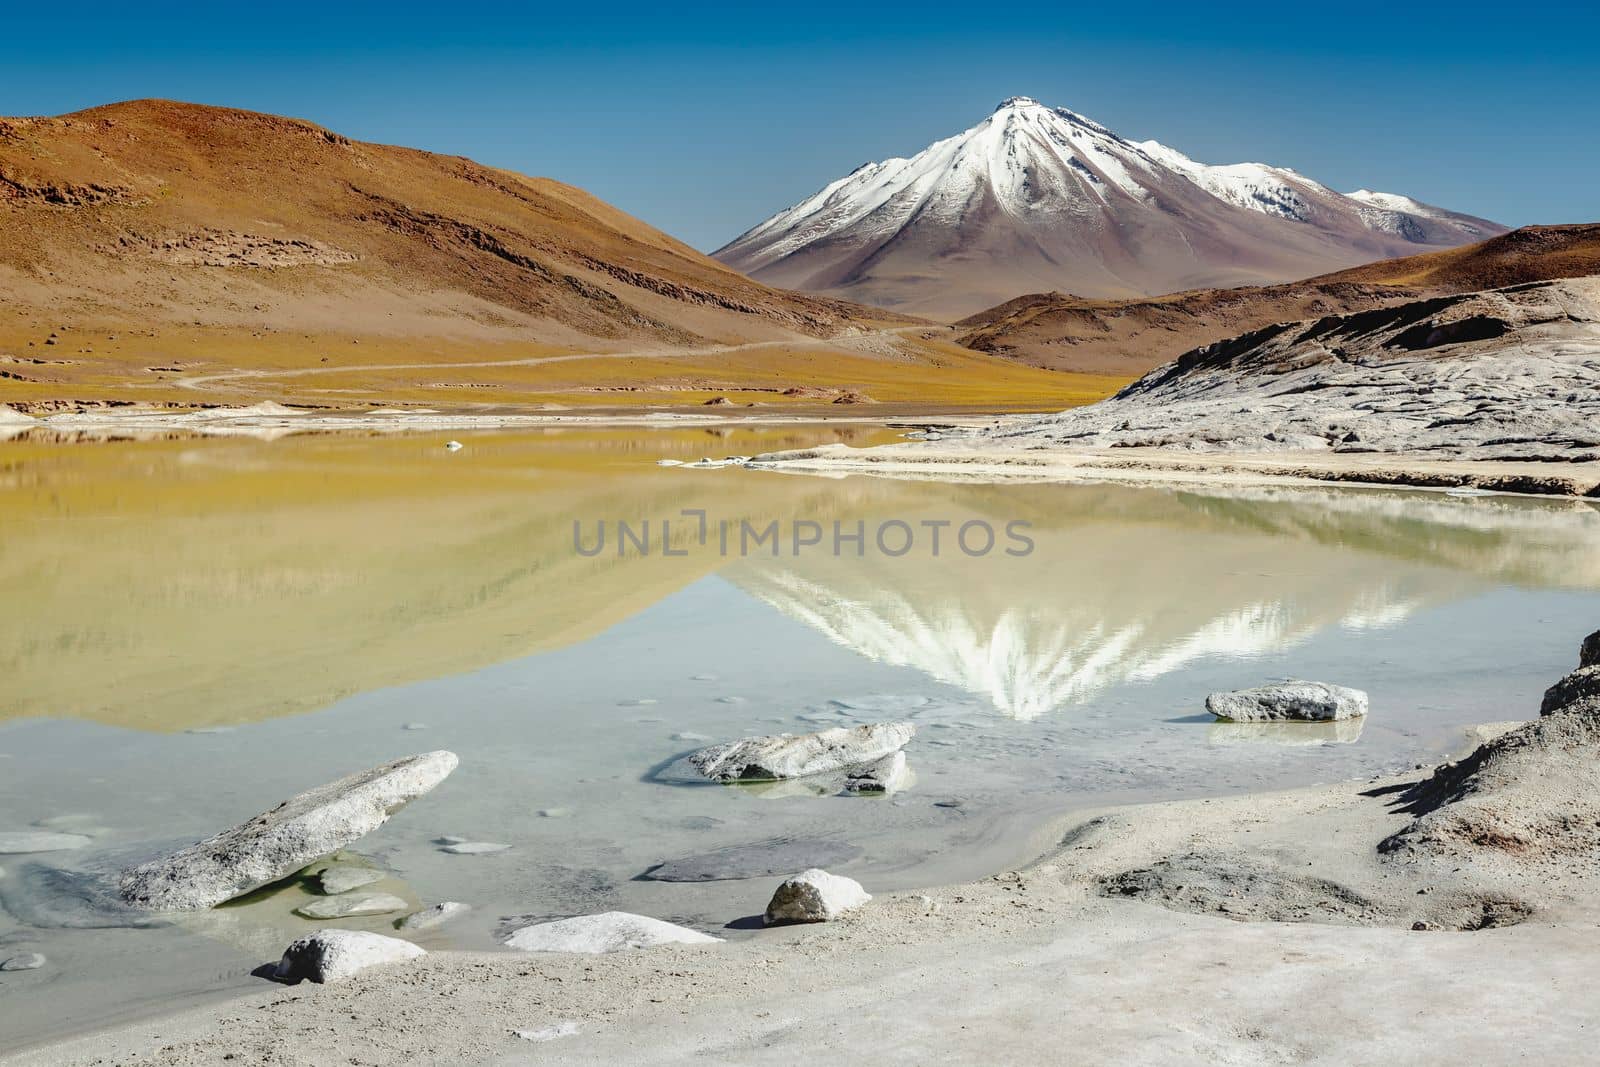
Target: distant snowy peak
{"type": "Point", "coordinates": [1051, 195]}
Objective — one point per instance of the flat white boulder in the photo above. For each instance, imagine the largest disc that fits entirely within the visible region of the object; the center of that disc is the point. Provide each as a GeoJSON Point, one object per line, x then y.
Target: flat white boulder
{"type": "Point", "coordinates": [611, 931]}
{"type": "Point", "coordinates": [758, 759]}
{"type": "Point", "coordinates": [284, 840]}
{"type": "Point", "coordinates": [350, 904]}
{"type": "Point", "coordinates": [333, 955]}
{"type": "Point", "coordinates": [815, 896]}
{"type": "Point", "coordinates": [1289, 702]}
{"type": "Point", "coordinates": [21, 842]}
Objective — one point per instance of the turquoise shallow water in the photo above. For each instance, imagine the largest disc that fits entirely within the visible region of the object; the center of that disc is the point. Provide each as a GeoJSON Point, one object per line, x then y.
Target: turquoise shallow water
{"type": "Point", "coordinates": [195, 630]}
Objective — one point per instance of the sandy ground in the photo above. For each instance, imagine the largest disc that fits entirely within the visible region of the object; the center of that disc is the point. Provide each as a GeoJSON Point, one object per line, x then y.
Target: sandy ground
{"type": "Point", "coordinates": [966, 459]}
{"type": "Point", "coordinates": [1041, 964]}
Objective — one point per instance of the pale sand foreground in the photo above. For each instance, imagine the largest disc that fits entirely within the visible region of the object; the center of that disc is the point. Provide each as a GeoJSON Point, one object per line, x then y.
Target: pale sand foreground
{"type": "Point", "coordinates": [1030, 966]}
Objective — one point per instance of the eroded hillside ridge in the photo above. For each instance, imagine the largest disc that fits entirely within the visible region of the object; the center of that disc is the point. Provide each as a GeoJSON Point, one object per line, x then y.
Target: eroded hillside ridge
{"type": "Point", "coordinates": [154, 211]}
{"type": "Point", "coordinates": [1508, 374]}
{"type": "Point", "coordinates": [1066, 332]}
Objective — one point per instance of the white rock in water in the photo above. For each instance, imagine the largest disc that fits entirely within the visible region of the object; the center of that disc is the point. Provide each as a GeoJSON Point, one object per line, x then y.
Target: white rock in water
{"type": "Point", "coordinates": [284, 840]}
{"type": "Point", "coordinates": [452, 446]}
{"type": "Point", "coordinates": [882, 776]}
{"type": "Point", "coordinates": [20, 842]}
{"type": "Point", "coordinates": [343, 907]}
{"type": "Point", "coordinates": [333, 955]}
{"type": "Point", "coordinates": [28, 961]}
{"type": "Point", "coordinates": [433, 915]}
{"type": "Point", "coordinates": [1289, 702]}
{"type": "Point", "coordinates": [474, 848]}
{"type": "Point", "coordinates": [342, 877]}
{"type": "Point", "coordinates": [815, 896]}
{"type": "Point", "coordinates": [800, 755]}
{"type": "Point", "coordinates": [611, 931]}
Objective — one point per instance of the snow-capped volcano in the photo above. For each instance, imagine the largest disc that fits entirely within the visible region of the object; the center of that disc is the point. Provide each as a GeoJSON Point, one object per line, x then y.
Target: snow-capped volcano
{"type": "Point", "coordinates": [1036, 198]}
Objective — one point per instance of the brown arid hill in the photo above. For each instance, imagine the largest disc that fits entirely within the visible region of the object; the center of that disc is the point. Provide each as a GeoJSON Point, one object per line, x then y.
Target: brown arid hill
{"type": "Point", "coordinates": [171, 253]}
{"type": "Point", "coordinates": [1125, 337]}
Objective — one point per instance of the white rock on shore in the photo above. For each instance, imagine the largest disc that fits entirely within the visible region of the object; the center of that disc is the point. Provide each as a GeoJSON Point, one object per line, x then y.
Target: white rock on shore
{"type": "Point", "coordinates": [611, 931]}
{"type": "Point", "coordinates": [801, 755]}
{"type": "Point", "coordinates": [333, 955]}
{"type": "Point", "coordinates": [284, 840]}
{"type": "Point", "coordinates": [1289, 702]}
{"type": "Point", "coordinates": [814, 896]}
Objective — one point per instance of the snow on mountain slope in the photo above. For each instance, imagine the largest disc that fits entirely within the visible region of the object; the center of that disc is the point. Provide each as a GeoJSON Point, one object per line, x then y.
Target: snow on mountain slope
{"type": "Point", "coordinates": [1036, 198]}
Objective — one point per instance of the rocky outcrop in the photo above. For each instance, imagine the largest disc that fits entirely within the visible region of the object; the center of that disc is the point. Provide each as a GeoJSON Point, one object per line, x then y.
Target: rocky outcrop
{"type": "Point", "coordinates": [814, 896]}
{"type": "Point", "coordinates": [1589, 654]}
{"type": "Point", "coordinates": [1508, 374]}
{"type": "Point", "coordinates": [1523, 799]}
{"type": "Point", "coordinates": [334, 955]}
{"type": "Point", "coordinates": [1581, 684]}
{"type": "Point", "coordinates": [801, 755]}
{"type": "Point", "coordinates": [1289, 702]}
{"type": "Point", "coordinates": [612, 931]}
{"type": "Point", "coordinates": [280, 842]}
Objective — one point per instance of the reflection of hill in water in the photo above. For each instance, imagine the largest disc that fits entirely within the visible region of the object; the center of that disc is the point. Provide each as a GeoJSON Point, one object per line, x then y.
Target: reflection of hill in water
{"type": "Point", "coordinates": [1114, 593]}
{"type": "Point", "coordinates": [174, 584]}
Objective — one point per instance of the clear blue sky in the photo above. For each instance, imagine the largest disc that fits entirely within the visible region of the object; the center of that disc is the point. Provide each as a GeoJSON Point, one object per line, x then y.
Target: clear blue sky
{"type": "Point", "coordinates": [705, 118]}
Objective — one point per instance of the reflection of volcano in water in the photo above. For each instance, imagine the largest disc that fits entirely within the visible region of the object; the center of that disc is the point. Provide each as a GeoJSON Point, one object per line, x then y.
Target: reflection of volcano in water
{"type": "Point", "coordinates": [1128, 585]}
{"type": "Point", "coordinates": [1101, 602]}
{"type": "Point", "coordinates": [1027, 660]}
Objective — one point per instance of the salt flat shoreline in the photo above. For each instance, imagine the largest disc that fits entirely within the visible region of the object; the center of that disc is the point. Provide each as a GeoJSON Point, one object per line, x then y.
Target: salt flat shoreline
{"type": "Point", "coordinates": [270, 420]}
{"type": "Point", "coordinates": [1002, 970]}
{"type": "Point", "coordinates": [963, 460]}
{"type": "Point", "coordinates": [959, 458]}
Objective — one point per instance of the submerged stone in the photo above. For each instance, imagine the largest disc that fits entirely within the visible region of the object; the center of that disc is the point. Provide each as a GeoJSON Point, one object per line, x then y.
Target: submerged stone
{"type": "Point", "coordinates": [762, 859]}
{"type": "Point", "coordinates": [351, 904]}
